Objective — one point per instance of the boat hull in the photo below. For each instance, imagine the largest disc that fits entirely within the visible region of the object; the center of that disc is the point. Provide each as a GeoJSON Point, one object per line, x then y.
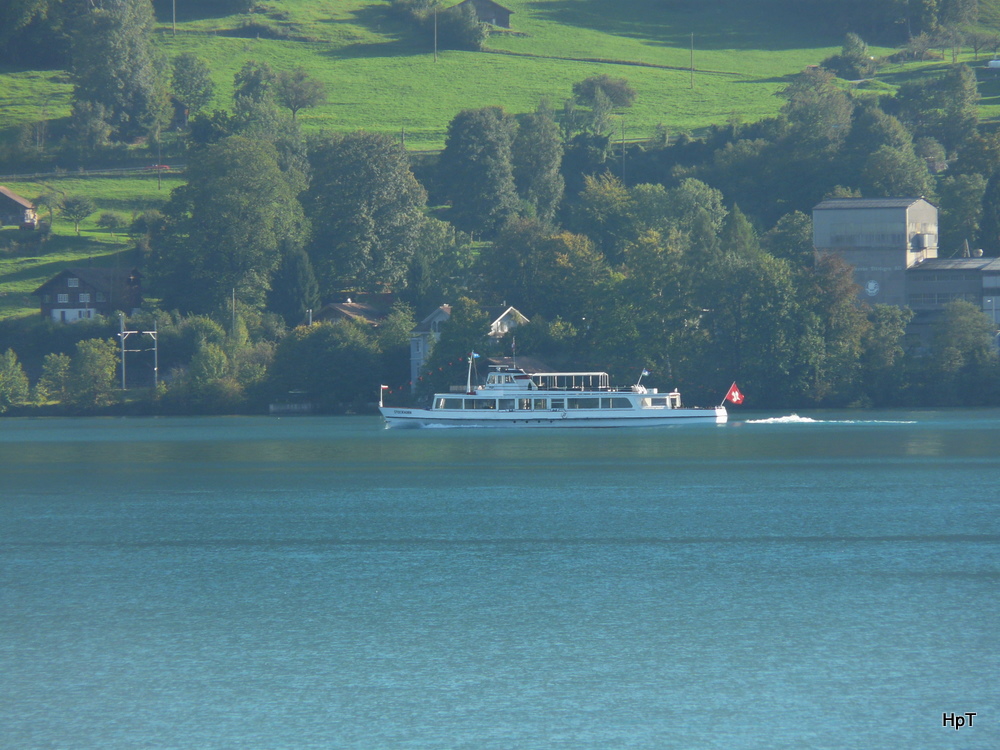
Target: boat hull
{"type": "Point", "coordinates": [410, 418]}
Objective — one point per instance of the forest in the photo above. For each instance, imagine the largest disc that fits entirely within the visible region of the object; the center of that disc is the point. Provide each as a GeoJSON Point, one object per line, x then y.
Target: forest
{"type": "Point", "coordinates": [688, 254]}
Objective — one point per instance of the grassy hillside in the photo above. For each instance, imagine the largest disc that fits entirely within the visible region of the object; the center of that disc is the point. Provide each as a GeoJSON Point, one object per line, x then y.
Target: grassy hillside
{"type": "Point", "coordinates": [26, 261]}
{"type": "Point", "coordinates": [381, 74]}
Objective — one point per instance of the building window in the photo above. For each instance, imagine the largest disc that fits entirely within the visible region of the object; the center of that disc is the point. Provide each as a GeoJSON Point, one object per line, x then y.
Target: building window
{"type": "Point", "coordinates": [84, 296]}
{"type": "Point", "coordinates": [72, 282]}
{"type": "Point", "coordinates": [62, 298]}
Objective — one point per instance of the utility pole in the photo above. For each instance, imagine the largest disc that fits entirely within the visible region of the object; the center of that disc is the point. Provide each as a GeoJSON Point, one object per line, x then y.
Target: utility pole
{"type": "Point", "coordinates": [692, 59]}
{"type": "Point", "coordinates": [435, 32]}
{"type": "Point", "coordinates": [623, 149]}
{"type": "Point", "coordinates": [174, 5]}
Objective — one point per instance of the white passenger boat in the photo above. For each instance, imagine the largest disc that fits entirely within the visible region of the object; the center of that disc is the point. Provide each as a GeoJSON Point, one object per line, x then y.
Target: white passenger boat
{"type": "Point", "coordinates": [512, 397]}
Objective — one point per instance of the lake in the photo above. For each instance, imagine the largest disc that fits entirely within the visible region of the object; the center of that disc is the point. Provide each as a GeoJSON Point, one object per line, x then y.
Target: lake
{"type": "Point", "coordinates": [829, 580]}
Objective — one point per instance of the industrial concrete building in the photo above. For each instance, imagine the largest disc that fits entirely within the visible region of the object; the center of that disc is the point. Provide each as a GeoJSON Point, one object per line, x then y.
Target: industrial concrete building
{"type": "Point", "coordinates": [892, 243]}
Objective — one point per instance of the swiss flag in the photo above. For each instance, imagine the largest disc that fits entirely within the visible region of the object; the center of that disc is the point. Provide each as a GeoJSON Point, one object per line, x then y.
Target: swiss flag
{"type": "Point", "coordinates": [735, 394]}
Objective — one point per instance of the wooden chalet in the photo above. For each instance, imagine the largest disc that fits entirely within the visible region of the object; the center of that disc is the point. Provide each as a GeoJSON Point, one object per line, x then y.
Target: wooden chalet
{"type": "Point", "coordinates": [16, 210]}
{"type": "Point", "coordinates": [84, 293]}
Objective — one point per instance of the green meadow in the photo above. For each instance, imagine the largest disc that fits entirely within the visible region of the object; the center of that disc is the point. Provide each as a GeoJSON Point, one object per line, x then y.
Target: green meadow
{"type": "Point", "coordinates": [383, 75]}
{"type": "Point", "coordinates": [27, 259]}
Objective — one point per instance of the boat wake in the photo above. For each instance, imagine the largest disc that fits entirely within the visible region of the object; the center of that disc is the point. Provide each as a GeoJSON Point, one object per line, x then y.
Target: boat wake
{"type": "Point", "coordinates": [790, 419]}
{"type": "Point", "coordinates": [796, 419]}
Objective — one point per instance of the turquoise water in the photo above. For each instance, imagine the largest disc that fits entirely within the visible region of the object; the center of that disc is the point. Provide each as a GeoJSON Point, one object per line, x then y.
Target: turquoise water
{"type": "Point", "coordinates": [324, 583]}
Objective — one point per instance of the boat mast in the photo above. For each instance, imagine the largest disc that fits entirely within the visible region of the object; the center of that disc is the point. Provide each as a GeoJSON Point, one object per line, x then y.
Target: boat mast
{"type": "Point", "coordinates": [468, 378]}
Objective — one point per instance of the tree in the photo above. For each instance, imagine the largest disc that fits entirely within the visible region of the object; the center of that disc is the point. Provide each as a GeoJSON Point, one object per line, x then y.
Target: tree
{"type": "Point", "coordinates": [464, 332]}
{"type": "Point", "coordinates": [617, 91]}
{"type": "Point", "coordinates": [753, 323]}
{"type": "Point", "coordinates": [989, 231]}
{"type": "Point", "coordinates": [961, 204]}
{"type": "Point", "coordinates": [536, 159]}
{"type": "Point", "coordinates": [92, 373]}
{"type": "Point", "coordinates": [112, 221]}
{"type": "Point", "coordinates": [296, 90]}
{"type": "Point", "coordinates": [49, 201]}
{"type": "Point", "coordinates": [883, 355]}
{"type": "Point", "coordinates": [192, 84]}
{"type": "Point", "coordinates": [892, 172]}
{"type": "Point", "coordinates": [818, 111]}
{"type": "Point", "coordinates": [114, 65]}
{"type": "Point", "coordinates": [945, 108]}
{"type": "Point", "coordinates": [253, 83]}
{"type": "Point", "coordinates": [76, 208]}
{"type": "Point", "coordinates": [441, 266]}
{"type": "Point", "coordinates": [459, 28]}
{"type": "Point", "coordinates": [89, 126]}
{"type": "Point", "coordinates": [227, 227]}
{"type": "Point", "coordinates": [964, 363]}
{"type": "Point", "coordinates": [478, 165]}
{"type": "Point", "coordinates": [54, 382]}
{"type": "Point", "coordinates": [836, 325]}
{"type": "Point", "coordinates": [738, 235]}
{"type": "Point", "coordinates": [13, 382]}
{"type": "Point", "coordinates": [512, 266]}
{"type": "Point", "coordinates": [336, 363]}
{"type": "Point", "coordinates": [366, 210]}
{"type": "Point", "coordinates": [792, 239]}
{"type": "Point", "coordinates": [294, 289]}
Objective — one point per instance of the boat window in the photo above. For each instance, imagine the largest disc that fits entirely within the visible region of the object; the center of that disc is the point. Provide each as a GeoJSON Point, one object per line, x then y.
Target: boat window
{"type": "Point", "coordinates": [481, 403]}
{"type": "Point", "coordinates": [449, 403]}
{"type": "Point", "coordinates": [583, 403]}
{"type": "Point", "coordinates": [540, 403]}
{"type": "Point", "coordinates": [524, 403]}
{"type": "Point", "coordinates": [616, 403]}
{"type": "Point", "coordinates": [558, 403]}
{"type": "Point", "coordinates": [506, 404]}
{"type": "Point", "coordinates": [658, 401]}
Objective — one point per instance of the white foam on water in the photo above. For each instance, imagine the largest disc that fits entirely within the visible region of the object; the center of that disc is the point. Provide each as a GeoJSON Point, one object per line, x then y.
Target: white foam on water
{"type": "Point", "coordinates": [796, 419]}
{"type": "Point", "coordinates": [790, 419]}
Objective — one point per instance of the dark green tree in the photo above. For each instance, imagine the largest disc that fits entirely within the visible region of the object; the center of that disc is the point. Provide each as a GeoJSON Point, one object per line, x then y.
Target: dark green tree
{"type": "Point", "coordinates": [477, 167]}
{"type": "Point", "coordinates": [738, 235]}
{"type": "Point", "coordinates": [114, 64]}
{"type": "Point", "coordinates": [54, 381]}
{"type": "Point", "coordinates": [818, 110]}
{"type": "Point", "coordinates": [441, 267]}
{"type": "Point", "coordinates": [617, 90]}
{"type": "Point", "coordinates": [835, 326]}
{"type": "Point", "coordinates": [466, 331]}
{"type": "Point", "coordinates": [536, 159]}
{"type": "Point", "coordinates": [963, 362]}
{"type": "Point", "coordinates": [459, 28]}
{"type": "Point", "coordinates": [753, 325]}
{"type": "Point", "coordinates": [92, 373]}
{"type": "Point", "coordinates": [14, 387]}
{"type": "Point", "coordinates": [89, 127]}
{"type": "Point", "coordinates": [893, 172]}
{"type": "Point", "coordinates": [366, 211]}
{"type": "Point", "coordinates": [294, 289]}
{"type": "Point", "coordinates": [961, 205]}
{"type": "Point", "coordinates": [192, 84]}
{"type": "Point", "coordinates": [792, 239]}
{"type": "Point", "coordinates": [297, 90]}
{"type": "Point", "coordinates": [76, 208]}
{"type": "Point", "coordinates": [227, 227]}
{"type": "Point", "coordinates": [989, 226]}
{"type": "Point", "coordinates": [883, 358]}
{"type": "Point", "coordinates": [335, 363]}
